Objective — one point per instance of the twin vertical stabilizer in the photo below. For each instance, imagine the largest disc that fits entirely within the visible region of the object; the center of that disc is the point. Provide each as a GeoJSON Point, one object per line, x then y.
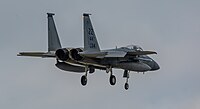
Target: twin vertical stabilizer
{"type": "Point", "coordinates": [53, 39]}
{"type": "Point", "coordinates": [90, 40]}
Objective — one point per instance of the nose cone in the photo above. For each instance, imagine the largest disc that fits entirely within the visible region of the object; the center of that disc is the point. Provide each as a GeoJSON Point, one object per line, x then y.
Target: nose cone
{"type": "Point", "coordinates": [155, 67]}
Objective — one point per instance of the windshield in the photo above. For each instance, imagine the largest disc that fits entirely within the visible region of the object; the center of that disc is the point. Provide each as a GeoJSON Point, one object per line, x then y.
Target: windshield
{"type": "Point", "coordinates": [134, 47]}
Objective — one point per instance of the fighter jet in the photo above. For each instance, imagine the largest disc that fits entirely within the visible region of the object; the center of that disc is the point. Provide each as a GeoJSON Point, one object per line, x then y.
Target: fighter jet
{"type": "Point", "coordinates": [90, 57]}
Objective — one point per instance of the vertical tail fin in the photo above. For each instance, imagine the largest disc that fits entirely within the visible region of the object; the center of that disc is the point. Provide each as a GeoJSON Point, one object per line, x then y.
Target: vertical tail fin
{"type": "Point", "coordinates": [90, 40]}
{"type": "Point", "coordinates": [53, 39]}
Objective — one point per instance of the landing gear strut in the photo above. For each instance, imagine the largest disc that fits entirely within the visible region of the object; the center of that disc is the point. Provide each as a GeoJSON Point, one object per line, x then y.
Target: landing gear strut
{"type": "Point", "coordinates": [126, 86]}
{"type": "Point", "coordinates": [84, 77]}
{"type": "Point", "coordinates": [84, 80]}
{"type": "Point", "coordinates": [126, 75]}
{"type": "Point", "coordinates": [112, 78]}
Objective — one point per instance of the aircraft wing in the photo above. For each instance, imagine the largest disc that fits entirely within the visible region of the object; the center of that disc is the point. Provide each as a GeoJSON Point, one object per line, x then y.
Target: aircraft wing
{"type": "Point", "coordinates": [141, 52]}
{"type": "Point", "coordinates": [113, 54]}
{"type": "Point", "coordinates": [37, 54]}
{"type": "Point", "coordinates": [123, 53]}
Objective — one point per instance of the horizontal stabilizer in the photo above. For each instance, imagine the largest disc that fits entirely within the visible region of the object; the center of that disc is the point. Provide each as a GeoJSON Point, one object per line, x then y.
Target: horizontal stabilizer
{"type": "Point", "coordinates": [37, 54]}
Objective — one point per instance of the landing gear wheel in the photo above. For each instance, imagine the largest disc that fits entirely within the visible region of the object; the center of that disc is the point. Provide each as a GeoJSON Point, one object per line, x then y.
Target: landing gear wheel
{"type": "Point", "coordinates": [126, 86]}
{"type": "Point", "coordinates": [83, 80]}
{"type": "Point", "coordinates": [112, 80]}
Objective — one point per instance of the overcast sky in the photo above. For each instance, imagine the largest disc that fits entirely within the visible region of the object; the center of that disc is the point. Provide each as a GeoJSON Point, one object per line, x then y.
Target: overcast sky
{"type": "Point", "coordinates": [170, 27]}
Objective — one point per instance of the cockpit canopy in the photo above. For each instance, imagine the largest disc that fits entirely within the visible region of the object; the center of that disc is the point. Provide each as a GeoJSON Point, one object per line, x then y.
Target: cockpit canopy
{"type": "Point", "coordinates": [134, 47]}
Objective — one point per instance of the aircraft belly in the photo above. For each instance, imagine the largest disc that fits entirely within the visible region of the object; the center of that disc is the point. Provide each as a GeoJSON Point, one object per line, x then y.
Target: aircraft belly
{"type": "Point", "coordinates": [92, 62]}
{"type": "Point", "coordinates": [68, 67]}
{"type": "Point", "coordinates": [133, 66]}
{"type": "Point", "coordinates": [88, 62]}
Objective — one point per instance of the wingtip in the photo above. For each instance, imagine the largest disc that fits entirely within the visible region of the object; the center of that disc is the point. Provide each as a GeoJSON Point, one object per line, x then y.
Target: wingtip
{"type": "Point", "coordinates": [19, 54]}
{"type": "Point", "coordinates": [86, 14]}
{"type": "Point", "coordinates": [152, 52]}
{"type": "Point", "coordinates": [50, 14]}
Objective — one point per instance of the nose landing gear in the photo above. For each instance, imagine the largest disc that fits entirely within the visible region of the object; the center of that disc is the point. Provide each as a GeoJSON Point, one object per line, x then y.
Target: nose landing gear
{"type": "Point", "coordinates": [126, 86]}
{"type": "Point", "coordinates": [126, 75]}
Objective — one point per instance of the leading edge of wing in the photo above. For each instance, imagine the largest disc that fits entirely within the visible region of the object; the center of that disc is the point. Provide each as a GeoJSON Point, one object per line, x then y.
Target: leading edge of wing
{"type": "Point", "coordinates": [115, 54]}
{"type": "Point", "coordinates": [37, 54]}
{"type": "Point", "coordinates": [141, 53]}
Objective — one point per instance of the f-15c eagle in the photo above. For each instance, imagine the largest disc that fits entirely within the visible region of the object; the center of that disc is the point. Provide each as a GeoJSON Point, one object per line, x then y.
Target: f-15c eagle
{"type": "Point", "coordinates": [91, 57]}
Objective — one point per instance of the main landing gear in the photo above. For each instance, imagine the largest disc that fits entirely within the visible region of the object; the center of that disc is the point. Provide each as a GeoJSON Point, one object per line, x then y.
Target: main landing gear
{"type": "Point", "coordinates": [84, 77]}
{"type": "Point", "coordinates": [84, 80]}
{"type": "Point", "coordinates": [126, 75]}
{"type": "Point", "coordinates": [112, 78]}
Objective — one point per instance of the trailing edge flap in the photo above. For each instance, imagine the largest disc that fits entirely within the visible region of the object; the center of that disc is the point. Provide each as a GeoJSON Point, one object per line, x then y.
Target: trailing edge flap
{"type": "Point", "coordinates": [37, 54]}
{"type": "Point", "coordinates": [141, 53]}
